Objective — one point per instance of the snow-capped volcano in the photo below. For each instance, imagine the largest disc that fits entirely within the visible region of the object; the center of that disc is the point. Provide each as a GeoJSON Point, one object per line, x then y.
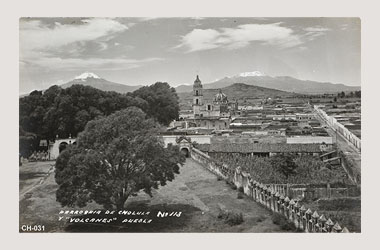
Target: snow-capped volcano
{"type": "Point", "coordinates": [253, 73]}
{"type": "Point", "coordinates": [93, 80]}
{"type": "Point", "coordinates": [86, 75]}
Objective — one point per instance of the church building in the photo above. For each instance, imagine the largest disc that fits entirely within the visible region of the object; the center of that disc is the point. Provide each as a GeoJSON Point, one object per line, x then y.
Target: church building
{"type": "Point", "coordinates": [211, 114]}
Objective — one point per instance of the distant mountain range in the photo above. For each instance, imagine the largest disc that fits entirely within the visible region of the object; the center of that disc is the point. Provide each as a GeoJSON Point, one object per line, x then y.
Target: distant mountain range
{"type": "Point", "coordinates": [284, 83]}
{"type": "Point", "coordinates": [255, 78]}
{"type": "Point", "coordinates": [236, 91]}
{"type": "Point", "coordinates": [90, 79]}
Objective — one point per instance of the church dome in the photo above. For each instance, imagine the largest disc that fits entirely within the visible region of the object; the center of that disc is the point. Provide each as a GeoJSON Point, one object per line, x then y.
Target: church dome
{"type": "Point", "coordinates": [220, 97]}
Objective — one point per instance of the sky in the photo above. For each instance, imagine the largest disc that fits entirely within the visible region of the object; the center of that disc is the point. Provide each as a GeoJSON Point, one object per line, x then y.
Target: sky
{"type": "Point", "coordinates": [142, 51]}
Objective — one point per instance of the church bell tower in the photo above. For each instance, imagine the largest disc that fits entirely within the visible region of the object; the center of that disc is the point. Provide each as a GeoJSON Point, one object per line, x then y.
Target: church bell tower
{"type": "Point", "coordinates": [197, 97]}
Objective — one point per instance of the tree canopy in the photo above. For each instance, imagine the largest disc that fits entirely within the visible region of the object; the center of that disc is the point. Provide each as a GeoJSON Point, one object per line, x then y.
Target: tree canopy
{"type": "Point", "coordinates": [65, 112]}
{"type": "Point", "coordinates": [115, 157]}
{"type": "Point", "coordinates": [284, 164]}
{"type": "Point", "coordinates": [163, 103]}
{"type": "Point", "coordinates": [286, 169]}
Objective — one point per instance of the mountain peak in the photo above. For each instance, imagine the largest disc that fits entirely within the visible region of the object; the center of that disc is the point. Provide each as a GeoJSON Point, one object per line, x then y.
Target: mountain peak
{"type": "Point", "coordinates": [86, 75]}
{"type": "Point", "coordinates": [253, 73]}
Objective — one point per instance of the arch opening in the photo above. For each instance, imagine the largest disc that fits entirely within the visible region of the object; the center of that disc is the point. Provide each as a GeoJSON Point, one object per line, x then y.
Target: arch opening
{"type": "Point", "coordinates": [185, 152]}
{"type": "Point", "coordinates": [62, 146]}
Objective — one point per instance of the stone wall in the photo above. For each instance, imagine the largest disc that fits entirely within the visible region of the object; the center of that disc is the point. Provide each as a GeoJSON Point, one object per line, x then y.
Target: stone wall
{"type": "Point", "coordinates": [219, 169]}
{"type": "Point", "coordinates": [200, 139]}
{"type": "Point", "coordinates": [303, 218]}
{"type": "Point", "coordinates": [338, 127]}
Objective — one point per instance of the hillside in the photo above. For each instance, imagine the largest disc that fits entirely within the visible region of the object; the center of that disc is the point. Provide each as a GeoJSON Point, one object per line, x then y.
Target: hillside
{"type": "Point", "coordinates": [284, 83]}
{"type": "Point", "coordinates": [236, 91]}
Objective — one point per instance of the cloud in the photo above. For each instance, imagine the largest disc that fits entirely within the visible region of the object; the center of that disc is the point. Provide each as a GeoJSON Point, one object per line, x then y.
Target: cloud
{"type": "Point", "coordinates": [199, 39]}
{"type": "Point", "coordinates": [43, 41]}
{"type": "Point", "coordinates": [34, 35]}
{"type": "Point", "coordinates": [40, 39]}
{"type": "Point", "coordinates": [66, 47]}
{"type": "Point", "coordinates": [69, 64]}
{"type": "Point", "coordinates": [102, 45]}
{"type": "Point", "coordinates": [234, 38]}
{"type": "Point", "coordinates": [314, 32]}
{"type": "Point", "coordinates": [316, 29]}
{"type": "Point", "coordinates": [243, 35]}
{"type": "Point", "coordinates": [344, 26]}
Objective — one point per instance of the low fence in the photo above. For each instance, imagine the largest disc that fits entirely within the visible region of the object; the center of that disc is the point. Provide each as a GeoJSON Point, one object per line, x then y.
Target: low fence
{"type": "Point", "coordinates": [303, 218]}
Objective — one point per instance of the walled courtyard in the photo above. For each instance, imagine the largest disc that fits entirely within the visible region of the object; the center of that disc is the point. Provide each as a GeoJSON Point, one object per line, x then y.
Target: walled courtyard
{"type": "Point", "coordinates": [195, 192]}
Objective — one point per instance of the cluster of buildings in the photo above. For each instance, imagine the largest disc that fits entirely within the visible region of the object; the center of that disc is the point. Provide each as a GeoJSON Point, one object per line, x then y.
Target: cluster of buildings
{"type": "Point", "coordinates": [272, 125]}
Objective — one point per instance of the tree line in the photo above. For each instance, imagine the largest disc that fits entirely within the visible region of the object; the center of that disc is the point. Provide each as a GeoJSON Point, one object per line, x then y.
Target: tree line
{"type": "Point", "coordinates": [65, 112]}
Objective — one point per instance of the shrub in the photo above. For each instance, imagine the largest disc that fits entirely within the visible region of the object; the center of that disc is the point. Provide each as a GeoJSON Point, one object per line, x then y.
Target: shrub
{"type": "Point", "coordinates": [283, 223]}
{"type": "Point", "coordinates": [240, 195]}
{"type": "Point", "coordinates": [260, 218]}
{"type": "Point", "coordinates": [241, 189]}
{"type": "Point", "coordinates": [219, 178]}
{"type": "Point", "coordinates": [233, 186]}
{"type": "Point", "coordinates": [231, 218]}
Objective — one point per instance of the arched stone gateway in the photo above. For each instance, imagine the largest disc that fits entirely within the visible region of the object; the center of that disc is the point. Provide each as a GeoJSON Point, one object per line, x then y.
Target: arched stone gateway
{"type": "Point", "coordinates": [184, 144]}
{"type": "Point", "coordinates": [62, 146]}
{"type": "Point", "coordinates": [58, 146]}
{"type": "Point", "coordinates": [185, 151]}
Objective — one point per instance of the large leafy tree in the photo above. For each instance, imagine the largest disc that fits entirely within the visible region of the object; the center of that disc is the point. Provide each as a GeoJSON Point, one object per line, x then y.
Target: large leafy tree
{"type": "Point", "coordinates": [284, 164]}
{"type": "Point", "coordinates": [162, 101]}
{"type": "Point", "coordinates": [115, 157]}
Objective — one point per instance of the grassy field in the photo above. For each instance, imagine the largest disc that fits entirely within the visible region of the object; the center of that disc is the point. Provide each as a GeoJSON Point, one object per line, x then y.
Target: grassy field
{"type": "Point", "coordinates": [202, 200]}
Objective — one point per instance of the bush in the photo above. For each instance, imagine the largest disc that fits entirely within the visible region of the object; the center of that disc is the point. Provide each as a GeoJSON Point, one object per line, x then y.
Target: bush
{"type": "Point", "coordinates": [283, 222]}
{"type": "Point", "coordinates": [240, 195]}
{"type": "Point", "coordinates": [260, 218]}
{"type": "Point", "coordinates": [233, 186]}
{"type": "Point", "coordinates": [241, 189]}
{"type": "Point", "coordinates": [219, 178]}
{"type": "Point", "coordinates": [231, 218]}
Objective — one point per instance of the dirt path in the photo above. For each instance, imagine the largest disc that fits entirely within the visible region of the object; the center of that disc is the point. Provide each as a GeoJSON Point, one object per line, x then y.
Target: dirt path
{"type": "Point", "coordinates": [33, 174]}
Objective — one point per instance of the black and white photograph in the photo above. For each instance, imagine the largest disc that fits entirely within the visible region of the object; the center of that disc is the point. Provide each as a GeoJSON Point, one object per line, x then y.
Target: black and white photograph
{"type": "Point", "coordinates": [190, 124]}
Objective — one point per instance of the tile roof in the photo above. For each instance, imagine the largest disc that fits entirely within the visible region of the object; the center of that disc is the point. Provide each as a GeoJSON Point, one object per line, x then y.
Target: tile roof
{"type": "Point", "coordinates": [261, 148]}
